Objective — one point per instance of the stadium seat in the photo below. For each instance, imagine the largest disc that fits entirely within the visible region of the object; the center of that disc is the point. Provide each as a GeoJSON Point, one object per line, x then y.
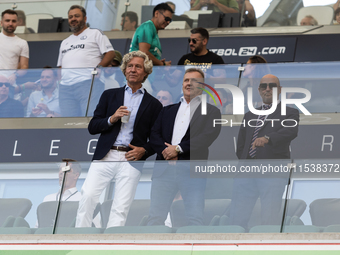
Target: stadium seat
{"type": "Point", "coordinates": [286, 229]}
{"type": "Point", "coordinates": [139, 208]}
{"type": "Point", "coordinates": [15, 231]}
{"type": "Point", "coordinates": [211, 229]}
{"type": "Point", "coordinates": [74, 231]}
{"type": "Point", "coordinates": [32, 20]}
{"type": "Point", "coordinates": [325, 212]}
{"type": "Point", "coordinates": [295, 207]}
{"type": "Point", "coordinates": [20, 222]}
{"type": "Point", "coordinates": [46, 212]}
{"type": "Point", "coordinates": [332, 228]}
{"type": "Point", "coordinates": [212, 208]}
{"type": "Point", "coordinates": [138, 229]}
{"type": "Point", "coordinates": [14, 207]}
{"type": "Point", "coordinates": [8, 222]}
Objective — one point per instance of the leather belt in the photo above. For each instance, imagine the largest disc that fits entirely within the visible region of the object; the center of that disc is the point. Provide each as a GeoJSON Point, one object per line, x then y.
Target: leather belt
{"type": "Point", "coordinates": [120, 148]}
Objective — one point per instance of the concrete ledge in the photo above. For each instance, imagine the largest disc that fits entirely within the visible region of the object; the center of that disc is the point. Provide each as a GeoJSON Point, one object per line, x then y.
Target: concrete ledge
{"type": "Point", "coordinates": [292, 238]}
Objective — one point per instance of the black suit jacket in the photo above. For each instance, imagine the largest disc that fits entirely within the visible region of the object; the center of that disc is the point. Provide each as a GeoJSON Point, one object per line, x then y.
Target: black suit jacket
{"type": "Point", "coordinates": [280, 137]}
{"type": "Point", "coordinates": [109, 102]}
{"type": "Point", "coordinates": [197, 139]}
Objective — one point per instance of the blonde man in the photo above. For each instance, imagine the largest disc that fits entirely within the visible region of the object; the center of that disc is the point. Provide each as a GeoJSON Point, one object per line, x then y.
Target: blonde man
{"type": "Point", "coordinates": [120, 142]}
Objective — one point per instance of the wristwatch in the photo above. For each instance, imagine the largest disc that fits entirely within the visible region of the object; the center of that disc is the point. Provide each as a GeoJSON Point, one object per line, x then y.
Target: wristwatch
{"type": "Point", "coordinates": [267, 137]}
{"type": "Point", "coordinates": [178, 150]}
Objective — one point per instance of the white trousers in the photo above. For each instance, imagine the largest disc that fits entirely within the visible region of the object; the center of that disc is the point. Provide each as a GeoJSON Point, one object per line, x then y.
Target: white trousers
{"type": "Point", "coordinates": [102, 172]}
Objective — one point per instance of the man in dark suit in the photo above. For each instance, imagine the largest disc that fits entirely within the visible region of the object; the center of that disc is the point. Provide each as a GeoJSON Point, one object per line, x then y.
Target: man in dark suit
{"type": "Point", "coordinates": [263, 140]}
{"type": "Point", "coordinates": [174, 140]}
{"type": "Point", "coordinates": [120, 140]}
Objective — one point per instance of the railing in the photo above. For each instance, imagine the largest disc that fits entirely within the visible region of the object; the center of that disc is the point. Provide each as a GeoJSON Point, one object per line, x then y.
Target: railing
{"type": "Point", "coordinates": [256, 196]}
{"type": "Point", "coordinates": [70, 98]}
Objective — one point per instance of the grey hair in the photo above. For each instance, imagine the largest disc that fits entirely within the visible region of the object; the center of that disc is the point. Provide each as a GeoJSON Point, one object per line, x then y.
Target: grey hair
{"type": "Point", "coordinates": [191, 70]}
{"type": "Point", "coordinates": [147, 62]}
{"type": "Point", "coordinates": [313, 21]}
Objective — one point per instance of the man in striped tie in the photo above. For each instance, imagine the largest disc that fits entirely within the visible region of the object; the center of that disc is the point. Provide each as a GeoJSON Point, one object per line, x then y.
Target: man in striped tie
{"type": "Point", "coordinates": [261, 137]}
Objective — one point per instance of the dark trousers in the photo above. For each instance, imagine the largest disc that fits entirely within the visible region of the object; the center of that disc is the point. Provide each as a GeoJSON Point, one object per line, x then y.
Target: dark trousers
{"type": "Point", "coordinates": [73, 99]}
{"type": "Point", "coordinates": [246, 191]}
{"type": "Point", "coordinates": [165, 187]}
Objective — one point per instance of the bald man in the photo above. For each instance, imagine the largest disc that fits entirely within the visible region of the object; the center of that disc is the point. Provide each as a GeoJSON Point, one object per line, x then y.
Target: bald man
{"type": "Point", "coordinates": [263, 139]}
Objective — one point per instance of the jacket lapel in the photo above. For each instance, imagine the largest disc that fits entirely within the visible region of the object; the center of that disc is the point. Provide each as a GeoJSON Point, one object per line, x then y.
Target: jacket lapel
{"type": "Point", "coordinates": [143, 105]}
{"type": "Point", "coordinates": [277, 112]}
{"type": "Point", "coordinates": [172, 118]}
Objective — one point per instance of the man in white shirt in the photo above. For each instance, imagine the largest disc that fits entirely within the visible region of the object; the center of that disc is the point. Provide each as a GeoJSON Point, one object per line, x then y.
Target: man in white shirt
{"type": "Point", "coordinates": [13, 50]}
{"type": "Point", "coordinates": [70, 192]}
{"type": "Point", "coordinates": [181, 134]}
{"type": "Point", "coordinates": [82, 51]}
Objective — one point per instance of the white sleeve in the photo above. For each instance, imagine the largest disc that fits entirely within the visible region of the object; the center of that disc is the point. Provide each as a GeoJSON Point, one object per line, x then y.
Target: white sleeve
{"type": "Point", "coordinates": [103, 43]}
{"type": "Point", "coordinates": [30, 106]}
{"type": "Point", "coordinates": [60, 57]}
{"type": "Point", "coordinates": [24, 50]}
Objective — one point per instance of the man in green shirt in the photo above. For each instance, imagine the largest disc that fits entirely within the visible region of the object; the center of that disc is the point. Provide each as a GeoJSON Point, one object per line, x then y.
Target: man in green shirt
{"type": "Point", "coordinates": [225, 6]}
{"type": "Point", "coordinates": [146, 36]}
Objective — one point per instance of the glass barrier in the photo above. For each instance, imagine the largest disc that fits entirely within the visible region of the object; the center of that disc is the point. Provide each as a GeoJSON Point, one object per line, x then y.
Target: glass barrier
{"type": "Point", "coordinates": [65, 92]}
{"type": "Point", "coordinates": [313, 77]}
{"type": "Point", "coordinates": [314, 188]}
{"type": "Point", "coordinates": [197, 196]}
{"type": "Point", "coordinates": [165, 83]}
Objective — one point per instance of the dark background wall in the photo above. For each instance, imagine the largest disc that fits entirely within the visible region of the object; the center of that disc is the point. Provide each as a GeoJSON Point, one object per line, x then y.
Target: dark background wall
{"type": "Point", "coordinates": [236, 49]}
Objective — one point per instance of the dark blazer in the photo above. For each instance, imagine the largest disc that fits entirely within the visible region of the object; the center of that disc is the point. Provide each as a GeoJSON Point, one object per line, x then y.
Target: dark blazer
{"type": "Point", "coordinates": [109, 102]}
{"type": "Point", "coordinates": [197, 139]}
{"type": "Point", "coordinates": [280, 137]}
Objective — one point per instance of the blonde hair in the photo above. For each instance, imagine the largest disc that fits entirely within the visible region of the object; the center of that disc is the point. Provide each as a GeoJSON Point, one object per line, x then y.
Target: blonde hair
{"type": "Point", "coordinates": [147, 62]}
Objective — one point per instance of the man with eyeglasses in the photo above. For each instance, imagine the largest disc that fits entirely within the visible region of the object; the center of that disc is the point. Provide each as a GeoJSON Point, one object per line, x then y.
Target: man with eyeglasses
{"type": "Point", "coordinates": [260, 138]}
{"type": "Point", "coordinates": [146, 37]}
{"type": "Point", "coordinates": [200, 56]}
{"type": "Point", "coordinates": [9, 108]}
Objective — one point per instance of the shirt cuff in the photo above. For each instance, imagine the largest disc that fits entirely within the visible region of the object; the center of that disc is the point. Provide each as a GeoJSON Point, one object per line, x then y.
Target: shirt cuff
{"type": "Point", "coordinates": [108, 122]}
{"type": "Point", "coordinates": [180, 148]}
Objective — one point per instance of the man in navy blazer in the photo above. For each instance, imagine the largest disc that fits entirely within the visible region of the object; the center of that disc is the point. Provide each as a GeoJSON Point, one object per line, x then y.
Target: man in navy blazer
{"type": "Point", "coordinates": [263, 139]}
{"type": "Point", "coordinates": [120, 141]}
{"type": "Point", "coordinates": [180, 134]}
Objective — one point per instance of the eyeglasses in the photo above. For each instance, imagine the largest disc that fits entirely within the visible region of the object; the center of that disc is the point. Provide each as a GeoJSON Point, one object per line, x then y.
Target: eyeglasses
{"type": "Point", "coordinates": [194, 41]}
{"type": "Point", "coordinates": [167, 19]}
{"type": "Point", "coordinates": [263, 86]}
{"type": "Point", "coordinates": [5, 83]}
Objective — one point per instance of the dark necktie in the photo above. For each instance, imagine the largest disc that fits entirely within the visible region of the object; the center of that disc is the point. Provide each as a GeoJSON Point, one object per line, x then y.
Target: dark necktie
{"type": "Point", "coordinates": [259, 125]}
